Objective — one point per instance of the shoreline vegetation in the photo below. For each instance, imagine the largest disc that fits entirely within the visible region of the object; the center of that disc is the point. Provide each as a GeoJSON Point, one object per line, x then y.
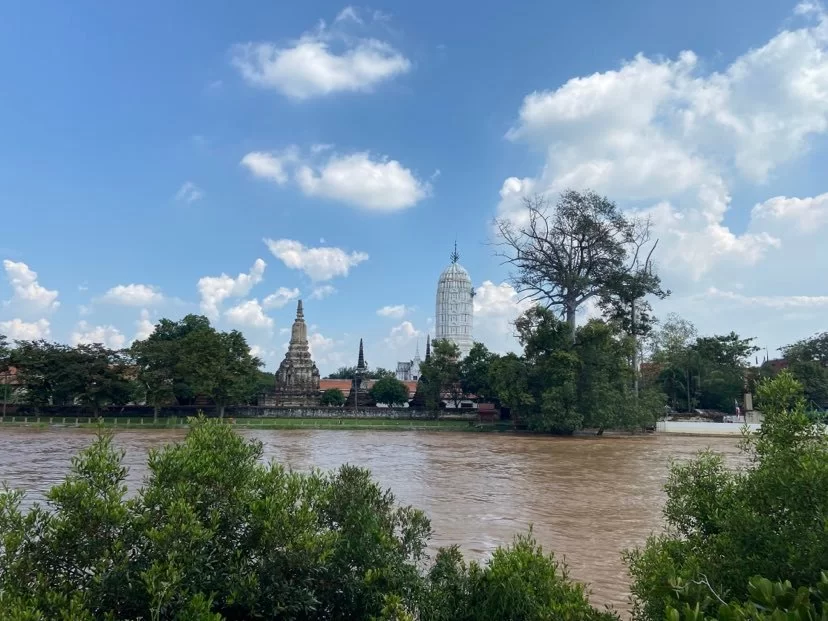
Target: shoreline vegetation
{"type": "Point", "coordinates": [215, 533]}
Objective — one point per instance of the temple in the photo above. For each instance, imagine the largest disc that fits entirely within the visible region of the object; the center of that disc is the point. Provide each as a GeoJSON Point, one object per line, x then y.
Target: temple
{"type": "Point", "coordinates": [455, 309]}
{"type": "Point", "coordinates": [418, 402]}
{"type": "Point", "coordinates": [297, 380]}
{"type": "Point", "coordinates": [409, 370]}
{"type": "Point", "coordinates": [359, 395]}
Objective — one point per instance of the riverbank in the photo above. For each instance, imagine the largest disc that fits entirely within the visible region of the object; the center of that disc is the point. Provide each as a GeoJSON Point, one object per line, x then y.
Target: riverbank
{"type": "Point", "coordinates": [377, 424]}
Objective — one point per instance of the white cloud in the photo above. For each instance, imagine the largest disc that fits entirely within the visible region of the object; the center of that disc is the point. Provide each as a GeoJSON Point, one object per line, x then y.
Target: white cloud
{"type": "Point", "coordinates": [357, 179]}
{"type": "Point", "coordinates": [280, 298]}
{"type": "Point", "coordinates": [322, 291]}
{"type": "Point", "coordinates": [777, 302]}
{"type": "Point", "coordinates": [402, 336]}
{"type": "Point", "coordinates": [397, 311]}
{"type": "Point", "coordinates": [133, 295]}
{"type": "Point", "coordinates": [661, 136]}
{"type": "Point", "coordinates": [496, 306]}
{"type": "Point", "coordinates": [19, 330]}
{"type": "Point", "coordinates": [28, 292]}
{"type": "Point", "coordinates": [215, 289]}
{"type": "Point", "coordinates": [321, 263]}
{"type": "Point", "coordinates": [248, 314]}
{"type": "Point", "coordinates": [271, 165]}
{"type": "Point", "coordinates": [109, 336]}
{"type": "Point", "coordinates": [319, 63]}
{"type": "Point", "coordinates": [807, 215]}
{"type": "Point", "coordinates": [189, 192]}
{"type": "Point", "coordinates": [349, 13]}
{"type": "Point", "coordinates": [144, 326]}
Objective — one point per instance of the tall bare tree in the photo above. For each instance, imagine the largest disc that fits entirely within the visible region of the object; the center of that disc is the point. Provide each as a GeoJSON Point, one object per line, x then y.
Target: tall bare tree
{"type": "Point", "coordinates": [565, 254]}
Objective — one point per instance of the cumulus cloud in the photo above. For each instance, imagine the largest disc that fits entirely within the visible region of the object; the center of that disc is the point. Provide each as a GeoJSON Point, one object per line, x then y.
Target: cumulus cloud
{"type": "Point", "coordinates": [28, 292]}
{"type": "Point", "coordinates": [402, 335]}
{"type": "Point", "coordinates": [322, 291]}
{"type": "Point", "coordinates": [108, 336]}
{"type": "Point", "coordinates": [397, 311]}
{"type": "Point", "coordinates": [144, 326]}
{"type": "Point", "coordinates": [215, 289]}
{"type": "Point", "coordinates": [322, 62]}
{"type": "Point", "coordinates": [319, 264]}
{"type": "Point", "coordinates": [133, 295]}
{"type": "Point", "coordinates": [248, 314]}
{"type": "Point", "coordinates": [362, 180]}
{"type": "Point", "coordinates": [496, 306]}
{"type": "Point", "coordinates": [358, 180]}
{"type": "Point", "coordinates": [665, 138]}
{"type": "Point", "coordinates": [280, 298]}
{"type": "Point", "coordinates": [806, 215]}
{"type": "Point", "coordinates": [19, 330]}
{"type": "Point", "coordinates": [272, 166]}
{"type": "Point", "coordinates": [189, 192]}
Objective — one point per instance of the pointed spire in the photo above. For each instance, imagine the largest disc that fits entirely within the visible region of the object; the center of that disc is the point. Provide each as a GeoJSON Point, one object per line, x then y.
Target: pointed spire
{"type": "Point", "coordinates": [454, 255]}
{"type": "Point", "coordinates": [428, 348]}
{"type": "Point", "coordinates": [417, 350]}
{"type": "Point", "coordinates": [361, 359]}
{"type": "Point", "coordinates": [300, 314]}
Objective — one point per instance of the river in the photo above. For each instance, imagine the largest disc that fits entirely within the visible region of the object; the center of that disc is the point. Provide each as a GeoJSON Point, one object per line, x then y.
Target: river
{"type": "Point", "coordinates": [586, 498]}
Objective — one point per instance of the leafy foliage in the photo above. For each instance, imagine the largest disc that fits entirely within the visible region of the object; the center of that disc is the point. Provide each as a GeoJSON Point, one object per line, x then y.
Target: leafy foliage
{"type": "Point", "coordinates": [389, 390]}
{"type": "Point", "coordinates": [333, 396]}
{"type": "Point", "coordinates": [726, 527]}
{"type": "Point", "coordinates": [441, 374]}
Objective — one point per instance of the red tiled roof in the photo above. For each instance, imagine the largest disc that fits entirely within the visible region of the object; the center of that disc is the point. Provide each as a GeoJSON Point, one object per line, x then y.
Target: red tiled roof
{"type": "Point", "coordinates": [345, 385]}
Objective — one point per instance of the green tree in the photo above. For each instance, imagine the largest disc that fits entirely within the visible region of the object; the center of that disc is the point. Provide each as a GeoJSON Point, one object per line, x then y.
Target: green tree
{"type": "Point", "coordinates": [5, 374]}
{"type": "Point", "coordinates": [101, 376]}
{"type": "Point", "coordinates": [508, 378]}
{"type": "Point", "coordinates": [389, 390]}
{"type": "Point", "coordinates": [343, 373]}
{"type": "Point", "coordinates": [570, 253]}
{"type": "Point", "coordinates": [725, 527]}
{"type": "Point", "coordinates": [333, 396]}
{"type": "Point", "coordinates": [220, 366]}
{"type": "Point", "coordinates": [41, 372]}
{"type": "Point", "coordinates": [808, 360]}
{"type": "Point", "coordinates": [441, 374]}
{"type": "Point", "coordinates": [671, 349]}
{"type": "Point", "coordinates": [475, 372]}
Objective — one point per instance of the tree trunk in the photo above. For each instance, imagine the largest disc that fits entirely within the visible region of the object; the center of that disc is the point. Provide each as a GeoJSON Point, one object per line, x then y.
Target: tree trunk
{"type": "Point", "coordinates": [155, 409]}
{"type": "Point", "coordinates": [221, 410]}
{"type": "Point", "coordinates": [635, 350]}
{"type": "Point", "coordinates": [570, 319]}
{"type": "Point", "coordinates": [687, 384]}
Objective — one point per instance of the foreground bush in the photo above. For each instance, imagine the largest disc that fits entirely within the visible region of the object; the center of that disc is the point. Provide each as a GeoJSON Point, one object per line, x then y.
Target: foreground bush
{"type": "Point", "coordinates": [216, 534]}
{"type": "Point", "coordinates": [725, 528]}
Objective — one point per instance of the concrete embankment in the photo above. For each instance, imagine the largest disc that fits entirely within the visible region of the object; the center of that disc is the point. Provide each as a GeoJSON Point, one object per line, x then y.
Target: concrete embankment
{"type": "Point", "coordinates": [698, 428]}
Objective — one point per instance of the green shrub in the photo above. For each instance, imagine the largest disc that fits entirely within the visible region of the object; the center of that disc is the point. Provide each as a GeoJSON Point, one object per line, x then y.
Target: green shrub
{"type": "Point", "coordinates": [725, 527]}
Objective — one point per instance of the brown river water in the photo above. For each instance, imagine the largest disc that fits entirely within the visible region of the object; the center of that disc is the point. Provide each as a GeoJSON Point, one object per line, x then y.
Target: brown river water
{"type": "Point", "coordinates": [587, 499]}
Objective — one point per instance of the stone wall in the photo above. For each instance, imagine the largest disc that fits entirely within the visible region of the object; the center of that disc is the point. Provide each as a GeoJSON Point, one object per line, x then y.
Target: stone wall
{"type": "Point", "coordinates": [332, 412]}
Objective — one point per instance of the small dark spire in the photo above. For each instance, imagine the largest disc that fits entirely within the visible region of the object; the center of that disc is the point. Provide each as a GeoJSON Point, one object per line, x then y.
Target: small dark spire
{"type": "Point", "coordinates": [300, 314]}
{"type": "Point", "coordinates": [361, 359]}
{"type": "Point", "coordinates": [428, 347]}
{"type": "Point", "coordinates": [454, 255]}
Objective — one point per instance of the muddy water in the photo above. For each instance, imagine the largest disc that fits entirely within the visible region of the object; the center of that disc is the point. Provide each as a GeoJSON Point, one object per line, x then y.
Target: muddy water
{"type": "Point", "coordinates": [586, 498]}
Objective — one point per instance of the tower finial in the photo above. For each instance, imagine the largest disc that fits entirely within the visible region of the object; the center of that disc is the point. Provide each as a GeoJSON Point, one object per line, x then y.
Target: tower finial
{"type": "Point", "coordinates": [361, 359]}
{"type": "Point", "coordinates": [300, 314]}
{"type": "Point", "coordinates": [428, 347]}
{"type": "Point", "coordinates": [454, 255]}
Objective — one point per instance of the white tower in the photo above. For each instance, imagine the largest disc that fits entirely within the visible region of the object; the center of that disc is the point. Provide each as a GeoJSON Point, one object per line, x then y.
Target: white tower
{"type": "Point", "coordinates": [453, 318]}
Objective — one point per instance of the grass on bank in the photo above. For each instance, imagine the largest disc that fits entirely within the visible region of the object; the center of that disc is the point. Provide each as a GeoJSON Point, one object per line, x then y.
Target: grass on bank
{"type": "Point", "coordinates": [257, 423]}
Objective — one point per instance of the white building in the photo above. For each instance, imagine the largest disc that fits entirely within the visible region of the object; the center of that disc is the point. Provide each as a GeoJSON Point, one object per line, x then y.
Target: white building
{"type": "Point", "coordinates": [453, 318]}
{"type": "Point", "coordinates": [409, 371]}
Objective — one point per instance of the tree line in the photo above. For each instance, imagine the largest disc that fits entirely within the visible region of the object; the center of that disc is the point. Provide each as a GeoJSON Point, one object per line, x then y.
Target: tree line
{"type": "Point", "coordinates": [216, 532]}
{"type": "Point", "coordinates": [179, 362]}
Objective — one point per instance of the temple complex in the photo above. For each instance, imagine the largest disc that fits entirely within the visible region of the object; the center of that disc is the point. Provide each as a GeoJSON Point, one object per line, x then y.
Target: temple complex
{"type": "Point", "coordinates": [454, 314]}
{"type": "Point", "coordinates": [297, 380]}
{"type": "Point", "coordinates": [359, 395]}
{"type": "Point", "coordinates": [418, 402]}
{"type": "Point", "coordinates": [409, 370]}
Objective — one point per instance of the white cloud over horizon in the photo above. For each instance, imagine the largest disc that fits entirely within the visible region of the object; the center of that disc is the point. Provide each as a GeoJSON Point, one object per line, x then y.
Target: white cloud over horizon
{"type": "Point", "coordinates": [28, 293]}
{"type": "Point", "coordinates": [106, 335]}
{"type": "Point", "coordinates": [248, 314]}
{"type": "Point", "coordinates": [215, 289]}
{"type": "Point", "coordinates": [19, 330]}
{"type": "Point", "coordinates": [133, 295]}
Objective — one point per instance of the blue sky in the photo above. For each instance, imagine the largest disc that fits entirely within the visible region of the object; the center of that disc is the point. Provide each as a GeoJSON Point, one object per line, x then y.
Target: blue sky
{"type": "Point", "coordinates": [148, 151]}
